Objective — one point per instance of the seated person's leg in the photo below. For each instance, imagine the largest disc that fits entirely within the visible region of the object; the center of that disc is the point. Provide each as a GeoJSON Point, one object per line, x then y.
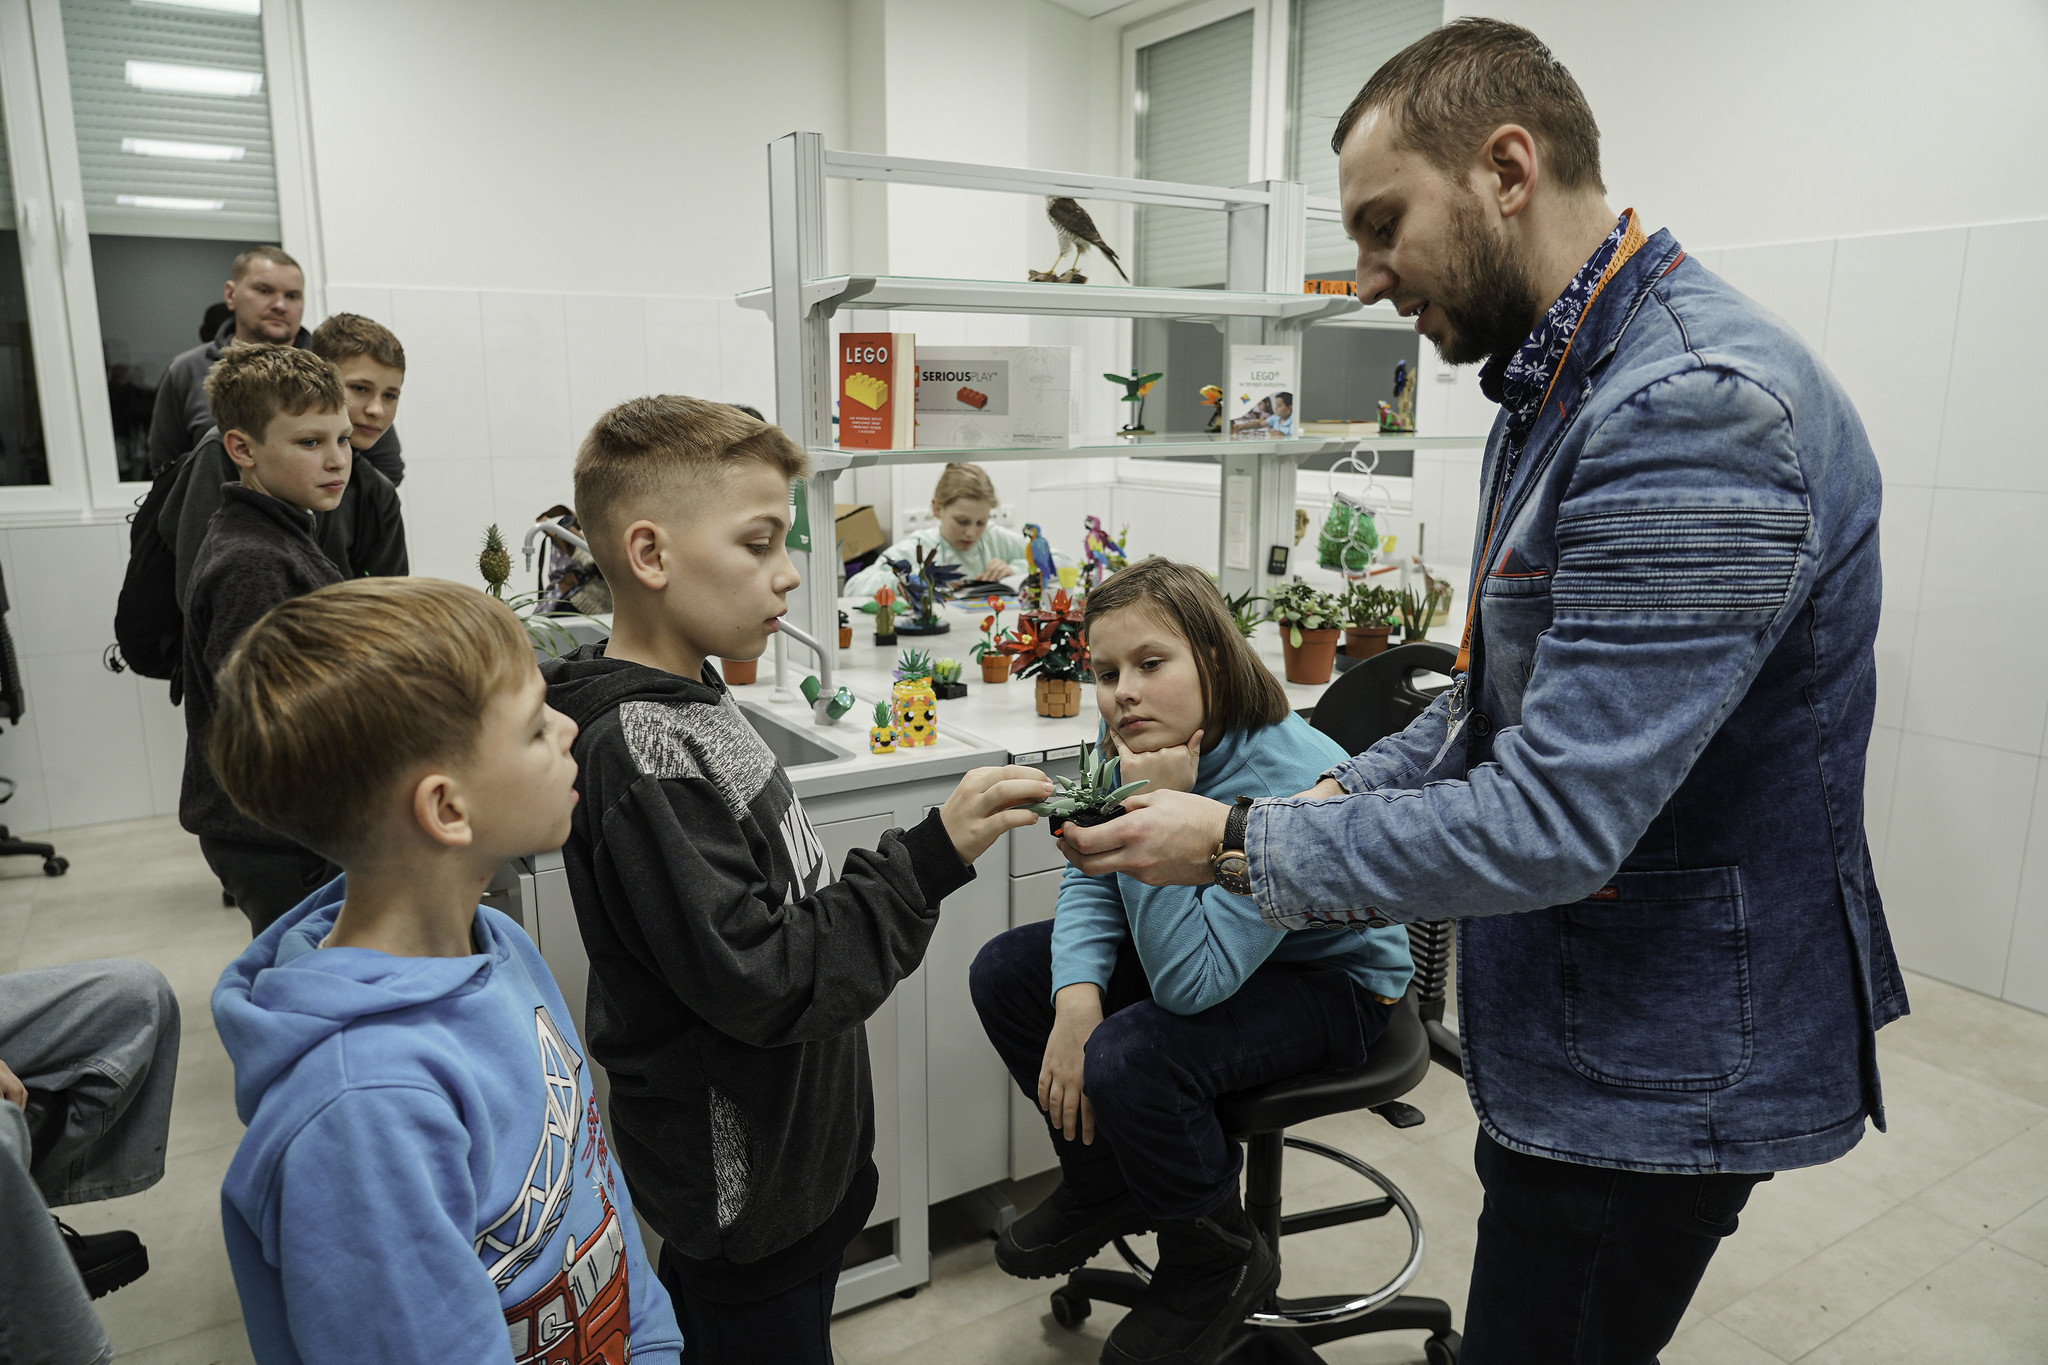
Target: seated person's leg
{"type": "Point", "coordinates": [44, 1312]}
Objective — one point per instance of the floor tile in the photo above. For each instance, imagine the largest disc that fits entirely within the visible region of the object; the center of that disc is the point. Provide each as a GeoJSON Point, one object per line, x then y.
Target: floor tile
{"type": "Point", "coordinates": [1939, 1123]}
{"type": "Point", "coordinates": [1988, 1306]}
{"type": "Point", "coordinates": [1708, 1342]}
{"type": "Point", "coordinates": [1995, 1188]}
{"type": "Point", "coordinates": [1788, 1219]}
{"type": "Point", "coordinates": [1823, 1294]}
{"type": "Point", "coordinates": [2027, 1234]}
{"type": "Point", "coordinates": [226, 1344]}
{"type": "Point", "coordinates": [1973, 1035]}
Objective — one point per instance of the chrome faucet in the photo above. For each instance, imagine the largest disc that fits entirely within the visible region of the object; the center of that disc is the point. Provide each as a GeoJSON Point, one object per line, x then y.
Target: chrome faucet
{"type": "Point", "coordinates": [559, 532]}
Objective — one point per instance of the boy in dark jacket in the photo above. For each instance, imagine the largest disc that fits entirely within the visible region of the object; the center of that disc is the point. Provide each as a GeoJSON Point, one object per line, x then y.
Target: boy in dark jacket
{"type": "Point", "coordinates": [728, 981]}
{"type": "Point", "coordinates": [285, 426]}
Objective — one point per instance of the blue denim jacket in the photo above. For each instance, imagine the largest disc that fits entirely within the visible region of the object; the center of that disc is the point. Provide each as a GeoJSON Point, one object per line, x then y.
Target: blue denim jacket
{"type": "Point", "coordinates": [1671, 951]}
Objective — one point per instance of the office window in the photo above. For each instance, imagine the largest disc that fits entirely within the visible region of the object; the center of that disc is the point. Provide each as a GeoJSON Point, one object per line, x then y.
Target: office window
{"type": "Point", "coordinates": [1194, 125]}
{"type": "Point", "coordinates": [22, 458]}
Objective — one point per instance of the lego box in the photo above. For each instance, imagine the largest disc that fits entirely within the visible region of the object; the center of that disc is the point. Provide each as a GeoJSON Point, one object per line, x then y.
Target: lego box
{"type": "Point", "coordinates": [983, 396]}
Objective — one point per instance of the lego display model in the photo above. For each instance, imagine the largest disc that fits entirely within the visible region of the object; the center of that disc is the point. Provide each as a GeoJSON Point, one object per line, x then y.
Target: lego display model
{"type": "Point", "coordinates": [1135, 388]}
{"type": "Point", "coordinates": [1212, 399]}
{"type": "Point", "coordinates": [946, 684]}
{"type": "Point", "coordinates": [882, 734]}
{"type": "Point", "coordinates": [913, 706]}
{"type": "Point", "coordinates": [885, 616]}
{"type": "Point", "coordinates": [1048, 646]}
{"type": "Point", "coordinates": [1039, 573]}
{"type": "Point", "coordinates": [1368, 613]}
{"type": "Point", "coordinates": [995, 665]}
{"type": "Point", "coordinates": [845, 631]}
{"type": "Point", "coordinates": [1090, 799]}
{"type": "Point", "coordinates": [1309, 618]}
{"type": "Point", "coordinates": [1105, 556]}
{"type": "Point", "coordinates": [1400, 414]}
{"type": "Point", "coordinates": [921, 583]}
{"type": "Point", "coordinates": [1420, 607]}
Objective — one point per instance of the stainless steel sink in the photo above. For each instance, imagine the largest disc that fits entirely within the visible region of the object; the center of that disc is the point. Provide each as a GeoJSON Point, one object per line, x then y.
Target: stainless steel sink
{"type": "Point", "coordinates": [792, 747]}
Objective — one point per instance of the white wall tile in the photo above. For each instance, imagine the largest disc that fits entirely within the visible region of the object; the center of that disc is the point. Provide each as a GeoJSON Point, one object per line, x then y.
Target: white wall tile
{"type": "Point", "coordinates": [1891, 327]}
{"type": "Point", "coordinates": [682, 346]}
{"type": "Point", "coordinates": [1710, 259]}
{"type": "Point", "coordinates": [1180, 526]}
{"type": "Point", "coordinates": [1991, 435]}
{"type": "Point", "coordinates": [89, 724]}
{"type": "Point", "coordinates": [1902, 542]}
{"type": "Point", "coordinates": [442, 414]}
{"type": "Point", "coordinates": [1790, 279]}
{"type": "Point", "coordinates": [522, 490]}
{"type": "Point", "coordinates": [1880, 770]}
{"type": "Point", "coordinates": [163, 737]}
{"type": "Point", "coordinates": [526, 374]}
{"type": "Point", "coordinates": [62, 586]}
{"type": "Point", "coordinates": [371, 301]}
{"type": "Point", "coordinates": [746, 358]}
{"type": "Point", "coordinates": [448, 504]}
{"type": "Point", "coordinates": [607, 356]}
{"type": "Point", "coordinates": [21, 762]}
{"type": "Point", "coordinates": [1958, 832]}
{"type": "Point", "coordinates": [2026, 967]}
{"type": "Point", "coordinates": [1981, 592]}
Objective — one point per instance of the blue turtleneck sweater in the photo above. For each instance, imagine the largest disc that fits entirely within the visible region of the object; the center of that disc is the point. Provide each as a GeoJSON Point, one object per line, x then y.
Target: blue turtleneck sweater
{"type": "Point", "coordinates": [1198, 944]}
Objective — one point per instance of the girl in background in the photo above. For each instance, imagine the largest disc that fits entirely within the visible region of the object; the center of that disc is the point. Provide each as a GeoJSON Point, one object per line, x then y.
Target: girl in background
{"type": "Point", "coordinates": [962, 502]}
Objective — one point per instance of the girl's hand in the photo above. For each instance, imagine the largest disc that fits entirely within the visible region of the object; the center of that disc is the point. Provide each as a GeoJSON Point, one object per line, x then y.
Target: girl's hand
{"type": "Point", "coordinates": [995, 571]}
{"type": "Point", "coordinates": [1077, 1012]}
{"type": "Point", "coordinates": [1171, 769]}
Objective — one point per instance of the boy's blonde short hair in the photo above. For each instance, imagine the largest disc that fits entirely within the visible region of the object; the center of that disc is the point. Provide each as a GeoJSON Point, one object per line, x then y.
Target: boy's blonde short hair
{"type": "Point", "coordinates": [331, 698]}
{"type": "Point", "coordinates": [348, 335]}
{"type": "Point", "coordinates": [253, 382]}
{"type": "Point", "coordinates": [645, 451]}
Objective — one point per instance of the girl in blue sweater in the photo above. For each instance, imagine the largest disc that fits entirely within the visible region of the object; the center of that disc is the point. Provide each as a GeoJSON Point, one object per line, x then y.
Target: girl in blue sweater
{"type": "Point", "coordinates": [1135, 1007]}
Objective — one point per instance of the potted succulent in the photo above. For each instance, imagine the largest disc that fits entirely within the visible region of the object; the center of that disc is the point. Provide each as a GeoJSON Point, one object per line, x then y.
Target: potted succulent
{"type": "Point", "coordinates": [995, 665]}
{"type": "Point", "coordinates": [845, 631]}
{"type": "Point", "coordinates": [946, 684]}
{"type": "Point", "coordinates": [912, 701]}
{"type": "Point", "coordinates": [1244, 610]}
{"type": "Point", "coordinates": [1089, 799]}
{"type": "Point", "coordinates": [1419, 609]}
{"type": "Point", "coordinates": [1369, 613]}
{"type": "Point", "coordinates": [885, 616]}
{"type": "Point", "coordinates": [1048, 646]}
{"type": "Point", "coordinates": [882, 734]}
{"type": "Point", "coordinates": [1308, 618]}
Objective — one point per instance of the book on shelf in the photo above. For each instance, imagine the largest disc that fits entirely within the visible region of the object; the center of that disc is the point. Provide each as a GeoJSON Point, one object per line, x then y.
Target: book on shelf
{"type": "Point", "coordinates": [877, 390]}
{"type": "Point", "coordinates": [1260, 399]}
{"type": "Point", "coordinates": [985, 396]}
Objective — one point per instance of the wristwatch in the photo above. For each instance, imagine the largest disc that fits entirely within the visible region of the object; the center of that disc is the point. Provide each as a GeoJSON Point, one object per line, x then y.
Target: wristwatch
{"type": "Point", "coordinates": [1233, 872]}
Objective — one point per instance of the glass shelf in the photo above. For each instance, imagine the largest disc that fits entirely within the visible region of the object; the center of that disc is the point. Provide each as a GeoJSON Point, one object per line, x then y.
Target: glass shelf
{"type": "Point", "coordinates": [834, 292]}
{"type": "Point", "coordinates": [1196, 445]}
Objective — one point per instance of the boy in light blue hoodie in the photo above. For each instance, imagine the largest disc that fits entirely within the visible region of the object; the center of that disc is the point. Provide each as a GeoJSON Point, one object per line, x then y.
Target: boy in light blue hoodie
{"type": "Point", "coordinates": [424, 1178]}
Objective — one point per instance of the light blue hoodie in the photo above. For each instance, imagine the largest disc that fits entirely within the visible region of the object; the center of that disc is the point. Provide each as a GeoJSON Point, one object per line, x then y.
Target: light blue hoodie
{"type": "Point", "coordinates": [1198, 944]}
{"type": "Point", "coordinates": [424, 1172]}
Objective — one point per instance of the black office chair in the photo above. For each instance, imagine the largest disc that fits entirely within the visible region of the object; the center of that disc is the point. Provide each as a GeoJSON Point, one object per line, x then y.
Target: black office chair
{"type": "Point", "coordinates": [1375, 698]}
{"type": "Point", "coordinates": [13, 702]}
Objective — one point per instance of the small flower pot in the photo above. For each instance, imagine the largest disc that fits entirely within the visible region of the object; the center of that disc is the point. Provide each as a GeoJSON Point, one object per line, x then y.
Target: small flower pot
{"type": "Point", "coordinates": [1084, 818]}
{"type": "Point", "coordinates": [738, 672]}
{"type": "Point", "coordinates": [952, 691]}
{"type": "Point", "coordinates": [1059, 696]}
{"type": "Point", "coordinates": [846, 637]}
{"type": "Point", "coordinates": [1311, 660]}
{"type": "Point", "coordinates": [995, 668]}
{"type": "Point", "coordinates": [1362, 642]}
{"type": "Point", "coordinates": [885, 640]}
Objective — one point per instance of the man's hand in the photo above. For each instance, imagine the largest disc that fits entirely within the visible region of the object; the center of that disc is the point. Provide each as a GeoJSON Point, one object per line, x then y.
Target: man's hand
{"type": "Point", "coordinates": [985, 804]}
{"type": "Point", "coordinates": [1172, 769]}
{"type": "Point", "coordinates": [11, 1088]}
{"type": "Point", "coordinates": [1165, 840]}
{"type": "Point", "coordinates": [1077, 1012]}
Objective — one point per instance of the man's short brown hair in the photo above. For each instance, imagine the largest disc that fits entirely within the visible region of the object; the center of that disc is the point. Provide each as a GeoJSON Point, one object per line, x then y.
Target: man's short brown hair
{"type": "Point", "coordinates": [1238, 691]}
{"type": "Point", "coordinates": [331, 699]}
{"type": "Point", "coordinates": [1447, 91]}
{"type": "Point", "coordinates": [348, 335]}
{"type": "Point", "coordinates": [253, 382]}
{"type": "Point", "coordinates": [643, 451]}
{"type": "Point", "coordinates": [271, 255]}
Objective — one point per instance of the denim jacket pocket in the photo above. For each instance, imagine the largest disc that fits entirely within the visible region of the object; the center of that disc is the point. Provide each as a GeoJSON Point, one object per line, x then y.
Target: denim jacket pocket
{"type": "Point", "coordinates": [1513, 616]}
{"type": "Point", "coordinates": [1656, 980]}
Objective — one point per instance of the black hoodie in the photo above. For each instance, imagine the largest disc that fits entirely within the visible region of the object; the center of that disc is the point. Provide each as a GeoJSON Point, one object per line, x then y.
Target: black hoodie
{"type": "Point", "coordinates": [729, 979]}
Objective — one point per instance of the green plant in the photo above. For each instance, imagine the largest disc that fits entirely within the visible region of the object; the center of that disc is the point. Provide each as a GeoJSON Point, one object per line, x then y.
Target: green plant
{"type": "Point", "coordinates": [1089, 799]}
{"type": "Point", "coordinates": [1366, 604]}
{"type": "Point", "coordinates": [991, 630]}
{"type": "Point", "coordinates": [1418, 608]}
{"type": "Point", "coordinates": [495, 561]}
{"type": "Point", "coordinates": [1244, 611]}
{"type": "Point", "coordinates": [946, 671]}
{"type": "Point", "coordinates": [1300, 606]}
{"type": "Point", "coordinates": [913, 663]}
{"type": "Point", "coordinates": [882, 715]}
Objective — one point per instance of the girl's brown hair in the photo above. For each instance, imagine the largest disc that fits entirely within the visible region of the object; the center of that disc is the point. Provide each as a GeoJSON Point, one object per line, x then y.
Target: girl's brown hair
{"type": "Point", "coordinates": [1238, 691]}
{"type": "Point", "coordinates": [957, 481]}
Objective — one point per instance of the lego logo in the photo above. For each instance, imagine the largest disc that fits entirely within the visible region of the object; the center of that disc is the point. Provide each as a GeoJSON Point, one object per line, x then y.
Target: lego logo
{"type": "Point", "coordinates": [867, 355]}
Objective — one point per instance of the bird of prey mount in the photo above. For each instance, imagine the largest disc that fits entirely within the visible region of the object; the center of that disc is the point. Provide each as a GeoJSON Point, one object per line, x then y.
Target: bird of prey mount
{"type": "Point", "coordinates": [1077, 232]}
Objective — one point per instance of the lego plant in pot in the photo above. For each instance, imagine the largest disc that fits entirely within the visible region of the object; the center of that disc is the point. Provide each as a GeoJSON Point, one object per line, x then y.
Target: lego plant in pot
{"type": "Point", "coordinates": [1420, 606]}
{"type": "Point", "coordinates": [914, 706]}
{"type": "Point", "coordinates": [1369, 613]}
{"type": "Point", "coordinates": [995, 665]}
{"type": "Point", "coordinates": [1308, 618]}
{"type": "Point", "coordinates": [1089, 799]}
{"type": "Point", "coordinates": [1048, 646]}
{"type": "Point", "coordinates": [885, 616]}
{"type": "Point", "coordinates": [946, 684]}
{"type": "Point", "coordinates": [845, 631]}
{"type": "Point", "coordinates": [922, 582]}
{"type": "Point", "coordinates": [1244, 611]}
{"type": "Point", "coordinates": [882, 734]}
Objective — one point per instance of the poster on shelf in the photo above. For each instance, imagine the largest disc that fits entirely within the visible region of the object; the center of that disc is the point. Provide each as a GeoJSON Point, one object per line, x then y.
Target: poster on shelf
{"type": "Point", "coordinates": [985, 396]}
{"type": "Point", "coordinates": [877, 390]}
{"type": "Point", "coordinates": [1260, 400]}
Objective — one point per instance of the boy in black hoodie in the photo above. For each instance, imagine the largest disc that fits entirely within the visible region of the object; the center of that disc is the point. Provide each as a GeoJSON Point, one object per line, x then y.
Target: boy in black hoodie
{"type": "Point", "coordinates": [728, 981]}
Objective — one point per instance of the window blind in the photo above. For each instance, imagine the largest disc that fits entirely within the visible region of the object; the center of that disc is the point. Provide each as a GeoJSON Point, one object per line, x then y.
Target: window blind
{"type": "Point", "coordinates": [7, 220]}
{"type": "Point", "coordinates": [173, 119]}
{"type": "Point", "coordinates": [1195, 126]}
{"type": "Point", "coordinates": [1338, 44]}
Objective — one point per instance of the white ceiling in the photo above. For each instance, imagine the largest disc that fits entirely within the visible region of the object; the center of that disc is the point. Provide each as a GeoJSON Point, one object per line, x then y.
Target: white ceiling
{"type": "Point", "coordinates": [1090, 9]}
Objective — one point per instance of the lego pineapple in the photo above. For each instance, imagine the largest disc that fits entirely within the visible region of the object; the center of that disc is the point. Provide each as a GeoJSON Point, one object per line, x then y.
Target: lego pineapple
{"type": "Point", "coordinates": [882, 735]}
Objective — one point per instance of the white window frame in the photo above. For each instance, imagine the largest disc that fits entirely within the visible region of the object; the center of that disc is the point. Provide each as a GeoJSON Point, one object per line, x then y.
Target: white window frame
{"type": "Point", "coordinates": [56, 251]}
{"type": "Point", "coordinates": [1269, 74]}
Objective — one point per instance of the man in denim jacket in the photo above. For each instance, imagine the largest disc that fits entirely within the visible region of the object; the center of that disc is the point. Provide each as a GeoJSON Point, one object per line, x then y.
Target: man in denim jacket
{"type": "Point", "coordinates": [1642, 798]}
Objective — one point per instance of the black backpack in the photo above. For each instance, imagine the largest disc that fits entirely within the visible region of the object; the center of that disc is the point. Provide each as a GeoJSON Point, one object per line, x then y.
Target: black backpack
{"type": "Point", "coordinates": [149, 628]}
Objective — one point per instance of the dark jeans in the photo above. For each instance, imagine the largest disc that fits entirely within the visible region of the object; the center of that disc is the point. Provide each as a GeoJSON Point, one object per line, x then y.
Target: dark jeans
{"type": "Point", "coordinates": [790, 1328]}
{"type": "Point", "coordinates": [1153, 1076]}
{"type": "Point", "coordinates": [266, 879]}
{"type": "Point", "coordinates": [1586, 1265]}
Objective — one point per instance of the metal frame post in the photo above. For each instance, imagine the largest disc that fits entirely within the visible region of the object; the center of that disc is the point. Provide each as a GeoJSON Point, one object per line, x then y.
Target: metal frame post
{"type": "Point", "coordinates": [1266, 248]}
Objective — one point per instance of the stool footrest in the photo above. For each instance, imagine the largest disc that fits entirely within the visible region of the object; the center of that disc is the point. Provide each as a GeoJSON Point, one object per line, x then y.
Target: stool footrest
{"type": "Point", "coordinates": [1335, 1215]}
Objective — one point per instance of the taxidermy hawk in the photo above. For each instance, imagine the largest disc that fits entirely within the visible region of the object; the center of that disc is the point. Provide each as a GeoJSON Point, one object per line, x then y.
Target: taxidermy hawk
{"type": "Point", "coordinates": [1077, 233]}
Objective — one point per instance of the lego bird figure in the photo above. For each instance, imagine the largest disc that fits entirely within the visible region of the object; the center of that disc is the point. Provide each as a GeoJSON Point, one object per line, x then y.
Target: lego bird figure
{"type": "Point", "coordinates": [1076, 233]}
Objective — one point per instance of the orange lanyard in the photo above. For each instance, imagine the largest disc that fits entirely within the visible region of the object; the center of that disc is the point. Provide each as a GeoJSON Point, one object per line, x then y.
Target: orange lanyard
{"type": "Point", "coordinates": [1631, 242]}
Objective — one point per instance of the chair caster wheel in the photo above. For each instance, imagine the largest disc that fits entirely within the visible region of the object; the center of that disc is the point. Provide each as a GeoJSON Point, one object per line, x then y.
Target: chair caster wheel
{"type": "Point", "coordinates": [1070, 1310]}
{"type": "Point", "coordinates": [1442, 1350]}
{"type": "Point", "coordinates": [56, 867]}
{"type": "Point", "coordinates": [906, 1293]}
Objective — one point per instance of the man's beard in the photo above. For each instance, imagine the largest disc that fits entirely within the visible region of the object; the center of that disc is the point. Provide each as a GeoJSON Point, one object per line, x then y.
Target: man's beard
{"type": "Point", "coordinates": [1486, 298]}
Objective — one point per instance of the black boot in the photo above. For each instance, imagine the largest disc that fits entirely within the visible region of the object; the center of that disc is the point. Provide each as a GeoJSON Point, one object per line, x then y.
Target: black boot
{"type": "Point", "coordinates": [1061, 1234]}
{"type": "Point", "coordinates": [106, 1260]}
{"type": "Point", "coordinates": [1212, 1271]}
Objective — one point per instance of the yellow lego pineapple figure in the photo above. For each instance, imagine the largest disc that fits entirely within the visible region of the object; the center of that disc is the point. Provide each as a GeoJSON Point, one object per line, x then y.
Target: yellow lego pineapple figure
{"type": "Point", "coordinates": [915, 701]}
{"type": "Point", "coordinates": [882, 734]}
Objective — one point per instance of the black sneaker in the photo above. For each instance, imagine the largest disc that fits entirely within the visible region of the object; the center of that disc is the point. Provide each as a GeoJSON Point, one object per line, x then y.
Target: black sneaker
{"type": "Point", "coordinates": [1061, 1234]}
{"type": "Point", "coordinates": [106, 1260]}
{"type": "Point", "coordinates": [1212, 1271]}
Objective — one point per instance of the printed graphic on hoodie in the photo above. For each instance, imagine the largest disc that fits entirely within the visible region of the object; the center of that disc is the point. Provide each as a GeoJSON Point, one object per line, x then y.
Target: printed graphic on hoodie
{"type": "Point", "coordinates": [582, 1315]}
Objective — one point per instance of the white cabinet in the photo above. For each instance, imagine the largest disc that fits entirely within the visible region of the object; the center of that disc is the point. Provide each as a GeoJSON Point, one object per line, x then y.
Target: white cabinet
{"type": "Point", "coordinates": [1031, 899]}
